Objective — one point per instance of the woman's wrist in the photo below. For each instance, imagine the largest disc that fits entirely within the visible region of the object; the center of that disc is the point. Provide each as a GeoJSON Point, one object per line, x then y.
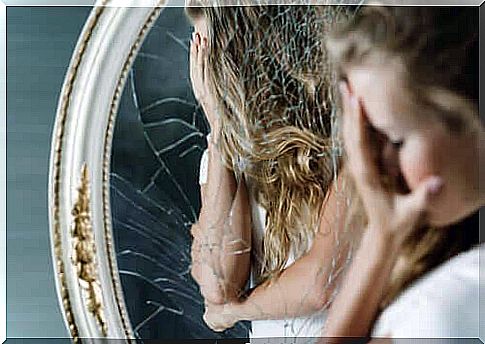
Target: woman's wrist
{"type": "Point", "coordinates": [245, 310]}
{"type": "Point", "coordinates": [234, 309]}
{"type": "Point", "coordinates": [212, 140]}
{"type": "Point", "coordinates": [215, 157]}
{"type": "Point", "coordinates": [213, 136]}
{"type": "Point", "coordinates": [381, 242]}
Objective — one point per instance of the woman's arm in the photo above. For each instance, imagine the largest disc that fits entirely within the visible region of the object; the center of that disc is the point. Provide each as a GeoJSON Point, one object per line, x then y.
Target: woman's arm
{"type": "Point", "coordinates": [357, 303]}
{"type": "Point", "coordinates": [301, 289]}
{"type": "Point", "coordinates": [222, 236]}
{"type": "Point", "coordinates": [392, 217]}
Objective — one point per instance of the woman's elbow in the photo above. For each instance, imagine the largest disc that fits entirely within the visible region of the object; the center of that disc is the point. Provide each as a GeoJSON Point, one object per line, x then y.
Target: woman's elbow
{"type": "Point", "coordinates": [319, 301]}
{"type": "Point", "coordinates": [321, 294]}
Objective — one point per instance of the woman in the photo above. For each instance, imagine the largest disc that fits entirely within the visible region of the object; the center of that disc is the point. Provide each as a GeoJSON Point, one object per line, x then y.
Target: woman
{"type": "Point", "coordinates": [413, 139]}
{"type": "Point", "coordinates": [256, 72]}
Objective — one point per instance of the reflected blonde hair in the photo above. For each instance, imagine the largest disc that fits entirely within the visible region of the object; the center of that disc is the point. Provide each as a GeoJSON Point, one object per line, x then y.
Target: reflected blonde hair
{"type": "Point", "coordinates": [438, 48]}
{"type": "Point", "coordinates": [266, 66]}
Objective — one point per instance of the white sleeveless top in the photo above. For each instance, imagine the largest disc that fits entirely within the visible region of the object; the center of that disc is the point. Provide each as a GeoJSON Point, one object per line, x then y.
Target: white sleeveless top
{"type": "Point", "coordinates": [295, 330]}
{"type": "Point", "coordinates": [444, 303]}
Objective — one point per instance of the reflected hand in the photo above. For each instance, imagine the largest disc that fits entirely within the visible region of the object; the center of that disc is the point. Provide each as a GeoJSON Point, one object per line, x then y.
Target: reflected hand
{"type": "Point", "coordinates": [196, 253]}
{"type": "Point", "coordinates": [199, 76]}
{"type": "Point", "coordinates": [204, 267]}
{"type": "Point", "coordinates": [219, 317]}
{"type": "Point", "coordinates": [387, 211]}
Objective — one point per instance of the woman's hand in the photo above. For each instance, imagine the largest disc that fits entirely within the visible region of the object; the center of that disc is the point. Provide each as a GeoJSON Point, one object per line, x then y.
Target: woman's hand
{"type": "Point", "coordinates": [220, 317]}
{"type": "Point", "coordinates": [393, 213]}
{"type": "Point", "coordinates": [205, 268]}
{"type": "Point", "coordinates": [196, 253]}
{"type": "Point", "coordinates": [203, 91]}
{"type": "Point", "coordinates": [391, 219]}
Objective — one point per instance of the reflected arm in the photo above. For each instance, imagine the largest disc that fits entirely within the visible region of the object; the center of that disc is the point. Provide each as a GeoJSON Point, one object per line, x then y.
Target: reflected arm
{"type": "Point", "coordinates": [302, 288]}
{"type": "Point", "coordinates": [222, 236]}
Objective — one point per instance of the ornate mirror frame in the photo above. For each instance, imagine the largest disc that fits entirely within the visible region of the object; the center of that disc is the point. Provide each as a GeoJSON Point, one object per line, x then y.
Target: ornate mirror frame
{"type": "Point", "coordinates": [88, 285]}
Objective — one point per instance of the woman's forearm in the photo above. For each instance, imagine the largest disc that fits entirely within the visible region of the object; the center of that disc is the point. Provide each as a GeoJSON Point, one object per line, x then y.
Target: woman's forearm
{"type": "Point", "coordinates": [298, 291]}
{"type": "Point", "coordinates": [236, 247]}
{"type": "Point", "coordinates": [357, 303]}
{"type": "Point", "coordinates": [217, 193]}
{"type": "Point", "coordinates": [223, 234]}
{"type": "Point", "coordinates": [303, 288]}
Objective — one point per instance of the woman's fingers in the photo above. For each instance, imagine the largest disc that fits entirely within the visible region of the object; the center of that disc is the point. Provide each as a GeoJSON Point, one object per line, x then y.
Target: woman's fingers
{"type": "Point", "coordinates": [196, 260]}
{"type": "Point", "coordinates": [194, 72]}
{"type": "Point", "coordinates": [193, 58]}
{"type": "Point", "coordinates": [348, 127]}
{"type": "Point", "coordinates": [412, 208]}
{"type": "Point", "coordinates": [351, 132]}
{"type": "Point", "coordinates": [200, 58]}
{"type": "Point", "coordinates": [202, 65]}
{"type": "Point", "coordinates": [363, 148]}
{"type": "Point", "coordinates": [361, 157]}
{"type": "Point", "coordinates": [208, 98]}
{"type": "Point", "coordinates": [204, 58]}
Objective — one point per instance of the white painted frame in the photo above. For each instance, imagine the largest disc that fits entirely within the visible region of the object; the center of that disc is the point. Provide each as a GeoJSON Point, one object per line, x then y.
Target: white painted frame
{"type": "Point", "coordinates": [82, 136]}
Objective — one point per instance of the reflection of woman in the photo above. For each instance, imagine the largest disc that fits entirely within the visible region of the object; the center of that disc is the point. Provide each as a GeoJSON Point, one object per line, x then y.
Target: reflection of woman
{"type": "Point", "coordinates": [257, 74]}
{"type": "Point", "coordinates": [411, 115]}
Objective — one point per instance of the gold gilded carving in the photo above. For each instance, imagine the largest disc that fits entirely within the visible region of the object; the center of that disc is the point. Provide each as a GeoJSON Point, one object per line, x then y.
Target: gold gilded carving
{"type": "Point", "coordinates": [84, 254]}
{"type": "Point", "coordinates": [59, 155]}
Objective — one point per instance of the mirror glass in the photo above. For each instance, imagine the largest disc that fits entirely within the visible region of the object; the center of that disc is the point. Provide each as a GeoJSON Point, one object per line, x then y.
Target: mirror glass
{"type": "Point", "coordinates": [155, 195]}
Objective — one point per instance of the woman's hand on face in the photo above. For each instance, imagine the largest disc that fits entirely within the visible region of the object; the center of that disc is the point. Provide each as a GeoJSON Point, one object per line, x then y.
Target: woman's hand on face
{"type": "Point", "coordinates": [387, 212]}
{"type": "Point", "coordinates": [203, 91]}
{"type": "Point", "coordinates": [219, 317]}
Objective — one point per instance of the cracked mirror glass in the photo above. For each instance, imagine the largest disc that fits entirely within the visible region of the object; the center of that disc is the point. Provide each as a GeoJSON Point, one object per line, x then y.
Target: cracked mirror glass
{"type": "Point", "coordinates": [155, 195]}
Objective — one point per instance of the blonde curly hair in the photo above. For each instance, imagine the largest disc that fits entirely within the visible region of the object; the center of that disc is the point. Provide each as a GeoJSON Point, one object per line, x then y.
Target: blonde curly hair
{"type": "Point", "coordinates": [269, 68]}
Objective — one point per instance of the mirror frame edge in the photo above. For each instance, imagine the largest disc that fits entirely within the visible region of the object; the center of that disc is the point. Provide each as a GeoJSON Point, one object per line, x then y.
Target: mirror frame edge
{"type": "Point", "coordinates": [82, 247]}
